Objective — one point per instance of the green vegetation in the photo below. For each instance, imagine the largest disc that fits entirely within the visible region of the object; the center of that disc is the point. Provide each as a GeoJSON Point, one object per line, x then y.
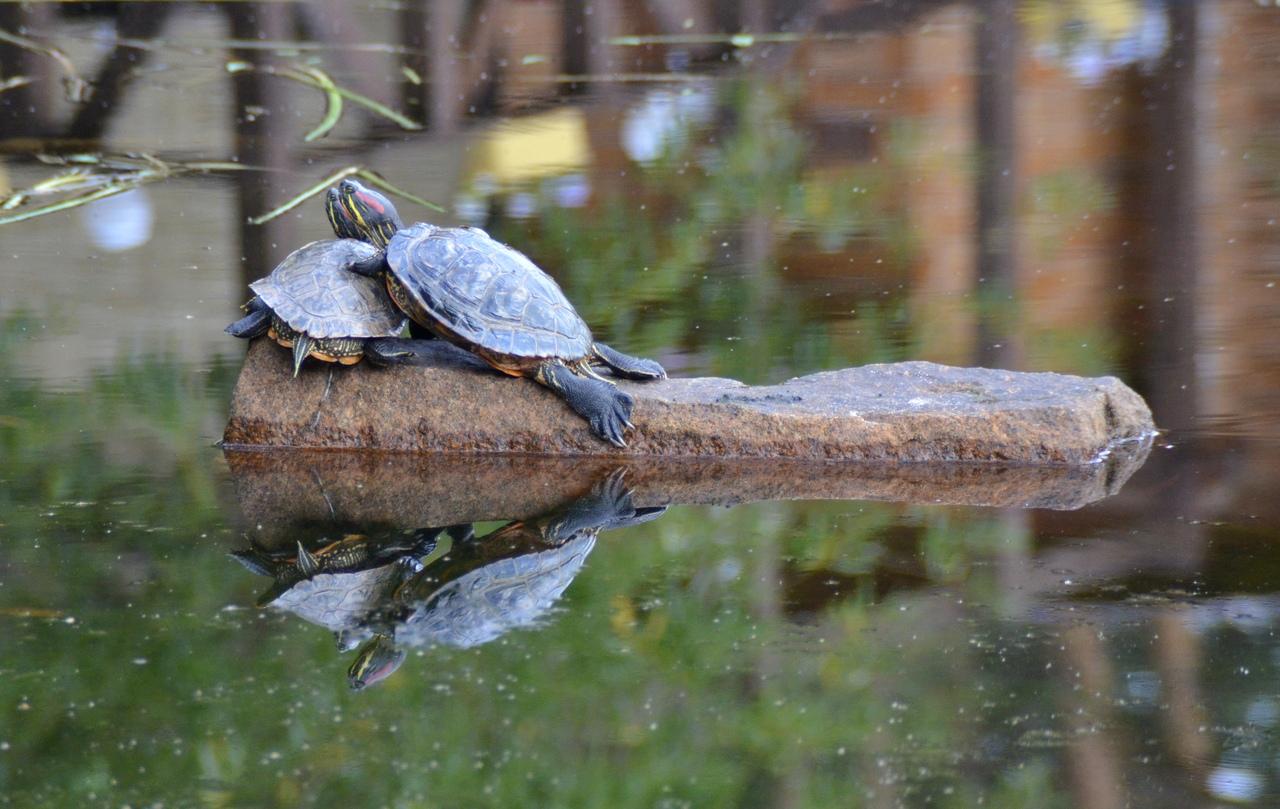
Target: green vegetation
{"type": "Point", "coordinates": [691, 252]}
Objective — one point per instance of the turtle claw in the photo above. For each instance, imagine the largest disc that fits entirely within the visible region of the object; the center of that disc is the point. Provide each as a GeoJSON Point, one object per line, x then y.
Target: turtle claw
{"type": "Point", "coordinates": [611, 426]}
{"type": "Point", "coordinates": [606, 408]}
{"type": "Point", "coordinates": [301, 348]}
{"type": "Point", "coordinates": [307, 562]}
{"type": "Point", "coordinates": [609, 431]}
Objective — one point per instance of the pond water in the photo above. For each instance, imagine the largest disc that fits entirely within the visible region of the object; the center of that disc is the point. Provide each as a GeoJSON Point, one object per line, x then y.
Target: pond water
{"type": "Point", "coordinates": [1085, 187]}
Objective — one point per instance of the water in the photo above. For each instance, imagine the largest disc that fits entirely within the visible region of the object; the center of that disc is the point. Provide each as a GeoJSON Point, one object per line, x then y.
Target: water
{"type": "Point", "coordinates": [797, 205]}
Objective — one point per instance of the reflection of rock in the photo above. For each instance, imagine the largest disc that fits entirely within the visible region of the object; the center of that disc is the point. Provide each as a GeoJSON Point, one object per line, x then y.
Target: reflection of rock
{"type": "Point", "coordinates": [916, 412]}
{"type": "Point", "coordinates": [280, 490]}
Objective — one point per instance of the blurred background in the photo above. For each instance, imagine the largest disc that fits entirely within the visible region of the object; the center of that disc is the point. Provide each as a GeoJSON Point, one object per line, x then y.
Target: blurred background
{"type": "Point", "coordinates": [756, 189]}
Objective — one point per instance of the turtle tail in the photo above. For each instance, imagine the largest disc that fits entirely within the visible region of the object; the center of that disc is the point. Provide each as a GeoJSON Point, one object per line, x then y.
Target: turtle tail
{"type": "Point", "coordinates": [301, 348]}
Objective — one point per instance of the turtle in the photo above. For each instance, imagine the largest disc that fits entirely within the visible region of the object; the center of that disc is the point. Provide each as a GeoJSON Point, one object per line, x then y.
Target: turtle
{"type": "Point", "coordinates": [490, 299]}
{"type": "Point", "coordinates": [311, 304]}
{"type": "Point", "coordinates": [337, 585]}
{"type": "Point", "coordinates": [485, 587]}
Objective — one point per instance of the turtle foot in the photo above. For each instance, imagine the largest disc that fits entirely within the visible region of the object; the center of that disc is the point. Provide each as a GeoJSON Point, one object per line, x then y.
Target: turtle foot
{"type": "Point", "coordinates": [627, 366]}
{"type": "Point", "coordinates": [606, 409]}
{"type": "Point", "coordinates": [252, 325]}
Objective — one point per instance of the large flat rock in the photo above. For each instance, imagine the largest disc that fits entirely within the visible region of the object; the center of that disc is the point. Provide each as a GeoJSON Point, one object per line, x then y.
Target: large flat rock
{"type": "Point", "coordinates": [914, 412]}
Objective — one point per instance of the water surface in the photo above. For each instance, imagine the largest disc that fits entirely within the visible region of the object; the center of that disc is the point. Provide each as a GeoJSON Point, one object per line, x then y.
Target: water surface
{"type": "Point", "coordinates": [1090, 192]}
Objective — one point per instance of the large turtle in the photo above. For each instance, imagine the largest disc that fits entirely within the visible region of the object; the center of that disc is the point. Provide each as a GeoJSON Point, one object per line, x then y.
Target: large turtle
{"type": "Point", "coordinates": [311, 304]}
{"type": "Point", "coordinates": [490, 299]}
{"type": "Point", "coordinates": [487, 586]}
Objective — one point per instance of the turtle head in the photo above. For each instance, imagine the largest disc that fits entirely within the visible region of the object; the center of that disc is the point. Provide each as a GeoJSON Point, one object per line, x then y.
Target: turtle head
{"type": "Point", "coordinates": [369, 213]}
{"type": "Point", "coordinates": [377, 660]}
{"type": "Point", "coordinates": [344, 225]}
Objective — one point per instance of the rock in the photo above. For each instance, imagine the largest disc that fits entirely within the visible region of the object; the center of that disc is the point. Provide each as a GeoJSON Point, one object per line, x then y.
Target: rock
{"type": "Point", "coordinates": [280, 489]}
{"type": "Point", "coordinates": [917, 412]}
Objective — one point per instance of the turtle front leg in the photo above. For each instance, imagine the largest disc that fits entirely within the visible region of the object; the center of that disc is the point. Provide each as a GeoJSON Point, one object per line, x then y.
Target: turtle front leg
{"type": "Point", "coordinates": [608, 501]}
{"type": "Point", "coordinates": [371, 266]}
{"type": "Point", "coordinates": [627, 366]}
{"type": "Point", "coordinates": [254, 324]}
{"type": "Point", "coordinates": [606, 409]}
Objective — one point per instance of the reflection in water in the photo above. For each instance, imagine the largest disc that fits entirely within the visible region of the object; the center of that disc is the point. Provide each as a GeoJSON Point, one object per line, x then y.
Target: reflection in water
{"type": "Point", "coordinates": [122, 222]}
{"type": "Point", "coordinates": [859, 652]}
{"type": "Point", "coordinates": [659, 120]}
{"type": "Point", "coordinates": [1092, 38]}
{"type": "Point", "coordinates": [441, 585]}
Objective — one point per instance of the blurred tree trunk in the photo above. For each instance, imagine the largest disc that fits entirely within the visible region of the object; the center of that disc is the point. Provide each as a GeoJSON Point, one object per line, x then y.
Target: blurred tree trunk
{"type": "Point", "coordinates": [135, 21]}
{"type": "Point", "coordinates": [1174, 183]}
{"type": "Point", "coordinates": [23, 110]}
{"type": "Point", "coordinates": [415, 95]}
{"type": "Point", "coordinates": [996, 39]}
{"type": "Point", "coordinates": [262, 128]}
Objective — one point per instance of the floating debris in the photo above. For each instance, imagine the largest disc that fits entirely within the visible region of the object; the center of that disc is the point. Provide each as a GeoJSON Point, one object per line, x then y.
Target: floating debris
{"type": "Point", "coordinates": [30, 612]}
{"type": "Point", "coordinates": [91, 177]}
{"type": "Point", "coordinates": [314, 77]}
{"type": "Point", "coordinates": [78, 90]}
{"type": "Point", "coordinates": [14, 82]}
{"type": "Point", "coordinates": [739, 40]}
{"type": "Point", "coordinates": [319, 188]}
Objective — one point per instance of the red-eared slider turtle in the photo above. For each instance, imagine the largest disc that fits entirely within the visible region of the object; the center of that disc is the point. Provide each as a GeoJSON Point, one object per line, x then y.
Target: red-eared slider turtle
{"type": "Point", "coordinates": [490, 299]}
{"type": "Point", "coordinates": [338, 585]}
{"type": "Point", "coordinates": [311, 304]}
{"type": "Point", "coordinates": [487, 586]}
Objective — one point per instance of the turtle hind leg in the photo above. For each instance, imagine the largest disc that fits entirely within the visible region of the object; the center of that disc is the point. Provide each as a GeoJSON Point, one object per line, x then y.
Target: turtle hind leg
{"type": "Point", "coordinates": [606, 409]}
{"type": "Point", "coordinates": [254, 324]}
{"type": "Point", "coordinates": [419, 332]}
{"type": "Point", "coordinates": [627, 366]}
{"type": "Point", "coordinates": [385, 351]}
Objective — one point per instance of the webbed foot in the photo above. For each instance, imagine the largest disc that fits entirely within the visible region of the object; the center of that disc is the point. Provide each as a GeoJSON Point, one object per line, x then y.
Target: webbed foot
{"type": "Point", "coordinates": [254, 324]}
{"type": "Point", "coordinates": [627, 366]}
{"type": "Point", "coordinates": [606, 408]}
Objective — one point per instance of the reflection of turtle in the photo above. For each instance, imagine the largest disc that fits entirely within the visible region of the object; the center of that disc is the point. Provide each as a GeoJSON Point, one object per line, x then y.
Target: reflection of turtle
{"type": "Point", "coordinates": [486, 297]}
{"type": "Point", "coordinates": [310, 304]}
{"type": "Point", "coordinates": [339, 584]}
{"type": "Point", "coordinates": [488, 586]}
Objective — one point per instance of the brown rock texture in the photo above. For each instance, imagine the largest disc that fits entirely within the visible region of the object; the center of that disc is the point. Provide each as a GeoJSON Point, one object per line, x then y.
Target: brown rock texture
{"type": "Point", "coordinates": [915, 412]}
{"type": "Point", "coordinates": [280, 489]}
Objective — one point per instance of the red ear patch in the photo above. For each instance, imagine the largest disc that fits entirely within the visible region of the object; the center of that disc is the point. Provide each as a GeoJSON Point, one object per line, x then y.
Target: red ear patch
{"type": "Point", "coordinates": [370, 202]}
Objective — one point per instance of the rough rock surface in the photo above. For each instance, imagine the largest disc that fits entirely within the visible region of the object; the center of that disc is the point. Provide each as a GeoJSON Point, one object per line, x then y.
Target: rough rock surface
{"type": "Point", "coordinates": [920, 412]}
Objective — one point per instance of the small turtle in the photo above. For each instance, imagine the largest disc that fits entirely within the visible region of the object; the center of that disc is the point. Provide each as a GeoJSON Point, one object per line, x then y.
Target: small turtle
{"type": "Point", "coordinates": [311, 304]}
{"type": "Point", "coordinates": [338, 585]}
{"type": "Point", "coordinates": [490, 299]}
{"type": "Point", "coordinates": [487, 586]}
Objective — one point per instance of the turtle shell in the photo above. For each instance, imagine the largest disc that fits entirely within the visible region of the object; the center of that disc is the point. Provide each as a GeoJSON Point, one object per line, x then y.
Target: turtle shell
{"type": "Point", "coordinates": [314, 293]}
{"type": "Point", "coordinates": [489, 601]}
{"type": "Point", "coordinates": [340, 601]}
{"type": "Point", "coordinates": [479, 292]}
